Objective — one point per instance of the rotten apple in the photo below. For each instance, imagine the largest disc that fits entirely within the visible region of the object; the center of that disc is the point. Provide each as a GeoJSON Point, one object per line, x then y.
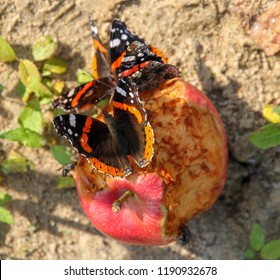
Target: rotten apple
{"type": "Point", "coordinates": [186, 175]}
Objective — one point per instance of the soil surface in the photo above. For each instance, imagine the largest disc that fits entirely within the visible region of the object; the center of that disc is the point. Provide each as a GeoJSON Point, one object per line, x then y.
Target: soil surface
{"type": "Point", "coordinates": [209, 41]}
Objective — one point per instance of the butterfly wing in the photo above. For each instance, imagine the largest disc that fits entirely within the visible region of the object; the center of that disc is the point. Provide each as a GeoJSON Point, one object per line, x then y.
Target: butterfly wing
{"type": "Point", "coordinates": [120, 39]}
{"type": "Point", "coordinates": [153, 75]}
{"type": "Point", "coordinates": [85, 96]}
{"type": "Point", "coordinates": [93, 140]}
{"type": "Point", "coordinates": [137, 56]}
{"type": "Point", "coordinates": [158, 53]}
{"type": "Point", "coordinates": [131, 121]}
{"type": "Point", "coordinates": [100, 66]}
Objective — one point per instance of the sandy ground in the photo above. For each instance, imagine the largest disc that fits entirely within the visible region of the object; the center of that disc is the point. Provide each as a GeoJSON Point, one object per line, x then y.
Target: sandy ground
{"type": "Point", "coordinates": [209, 41]}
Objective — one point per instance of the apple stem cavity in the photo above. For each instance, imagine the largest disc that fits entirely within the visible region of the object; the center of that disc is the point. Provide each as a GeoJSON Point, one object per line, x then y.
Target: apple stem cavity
{"type": "Point", "coordinates": [117, 204]}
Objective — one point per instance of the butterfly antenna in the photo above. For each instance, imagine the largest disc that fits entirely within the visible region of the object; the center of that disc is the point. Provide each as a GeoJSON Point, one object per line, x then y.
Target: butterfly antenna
{"type": "Point", "coordinates": [93, 28]}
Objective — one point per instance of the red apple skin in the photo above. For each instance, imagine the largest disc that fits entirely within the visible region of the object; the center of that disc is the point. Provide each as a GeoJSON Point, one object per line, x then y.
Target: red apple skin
{"type": "Point", "coordinates": [141, 217]}
{"type": "Point", "coordinates": [185, 177]}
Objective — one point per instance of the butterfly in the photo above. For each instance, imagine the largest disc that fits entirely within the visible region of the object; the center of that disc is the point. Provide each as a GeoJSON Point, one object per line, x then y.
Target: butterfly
{"type": "Point", "coordinates": [123, 135]}
{"type": "Point", "coordinates": [130, 56]}
{"type": "Point", "coordinates": [120, 38]}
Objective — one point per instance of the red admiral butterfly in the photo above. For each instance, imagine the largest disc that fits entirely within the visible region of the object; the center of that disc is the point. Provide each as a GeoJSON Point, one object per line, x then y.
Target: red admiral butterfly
{"type": "Point", "coordinates": [130, 56]}
{"type": "Point", "coordinates": [108, 146]}
{"type": "Point", "coordinates": [121, 38]}
{"type": "Point", "coordinates": [85, 96]}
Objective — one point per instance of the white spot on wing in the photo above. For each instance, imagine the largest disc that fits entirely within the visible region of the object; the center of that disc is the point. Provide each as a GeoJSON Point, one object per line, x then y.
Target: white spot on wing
{"type": "Point", "coordinates": [115, 43]}
{"type": "Point", "coordinates": [121, 91]}
{"type": "Point", "coordinates": [124, 37]}
{"type": "Point", "coordinates": [128, 58]}
{"type": "Point", "coordinates": [94, 29]}
{"type": "Point", "coordinates": [70, 132]}
{"type": "Point", "coordinates": [72, 120]}
{"type": "Point", "coordinates": [71, 92]}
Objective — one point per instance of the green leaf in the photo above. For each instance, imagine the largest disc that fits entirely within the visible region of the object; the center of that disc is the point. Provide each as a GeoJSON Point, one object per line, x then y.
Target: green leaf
{"type": "Point", "coordinates": [4, 198]}
{"type": "Point", "coordinates": [43, 91]}
{"type": "Point", "coordinates": [45, 100]}
{"type": "Point", "coordinates": [15, 164]}
{"type": "Point", "coordinates": [270, 114]}
{"type": "Point", "coordinates": [29, 74]}
{"type": "Point", "coordinates": [1, 87]}
{"type": "Point", "coordinates": [25, 136]}
{"type": "Point", "coordinates": [24, 92]}
{"type": "Point", "coordinates": [31, 116]}
{"type": "Point", "coordinates": [271, 251]}
{"type": "Point", "coordinates": [46, 73]}
{"type": "Point", "coordinates": [44, 48]}
{"type": "Point", "coordinates": [6, 51]}
{"type": "Point", "coordinates": [58, 111]}
{"type": "Point", "coordinates": [266, 137]}
{"type": "Point", "coordinates": [61, 154]}
{"type": "Point", "coordinates": [55, 65]}
{"type": "Point", "coordinates": [6, 216]}
{"type": "Point", "coordinates": [249, 254]}
{"type": "Point", "coordinates": [64, 182]}
{"type": "Point", "coordinates": [58, 86]}
{"type": "Point", "coordinates": [21, 88]}
{"type": "Point", "coordinates": [47, 82]}
{"type": "Point", "coordinates": [103, 103]}
{"type": "Point", "coordinates": [277, 110]}
{"type": "Point", "coordinates": [256, 237]}
{"type": "Point", "coordinates": [83, 77]}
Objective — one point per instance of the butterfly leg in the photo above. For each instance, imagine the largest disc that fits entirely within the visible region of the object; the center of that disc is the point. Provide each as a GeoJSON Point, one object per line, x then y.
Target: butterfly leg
{"type": "Point", "coordinates": [67, 168]}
